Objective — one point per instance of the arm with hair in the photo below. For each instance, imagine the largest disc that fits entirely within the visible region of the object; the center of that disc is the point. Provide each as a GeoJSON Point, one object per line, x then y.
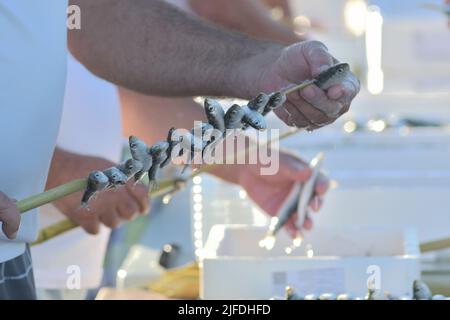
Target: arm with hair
{"type": "Point", "coordinates": [154, 48]}
{"type": "Point", "coordinates": [247, 16]}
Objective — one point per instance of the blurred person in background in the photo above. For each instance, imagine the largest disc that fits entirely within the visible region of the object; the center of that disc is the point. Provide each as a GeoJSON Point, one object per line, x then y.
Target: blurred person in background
{"type": "Point", "coordinates": [165, 56]}
{"type": "Point", "coordinates": [85, 146]}
{"type": "Point", "coordinates": [447, 2]}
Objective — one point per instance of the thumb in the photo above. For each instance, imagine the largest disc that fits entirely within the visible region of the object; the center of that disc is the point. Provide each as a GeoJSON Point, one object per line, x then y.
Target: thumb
{"type": "Point", "coordinates": [317, 56]}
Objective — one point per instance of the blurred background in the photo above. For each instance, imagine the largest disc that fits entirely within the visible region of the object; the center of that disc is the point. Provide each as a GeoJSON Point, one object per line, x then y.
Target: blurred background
{"type": "Point", "coordinates": [390, 155]}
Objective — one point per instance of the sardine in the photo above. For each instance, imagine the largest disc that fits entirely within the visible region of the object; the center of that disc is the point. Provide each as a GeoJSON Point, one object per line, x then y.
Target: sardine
{"type": "Point", "coordinates": [215, 114]}
{"type": "Point", "coordinates": [172, 139]}
{"type": "Point", "coordinates": [332, 76]}
{"type": "Point", "coordinates": [290, 294]}
{"type": "Point", "coordinates": [277, 99]}
{"type": "Point", "coordinates": [234, 117]}
{"type": "Point", "coordinates": [97, 181]}
{"type": "Point", "coordinates": [374, 294]}
{"type": "Point", "coordinates": [139, 151]}
{"type": "Point", "coordinates": [254, 120]}
{"type": "Point", "coordinates": [259, 103]}
{"type": "Point", "coordinates": [421, 291]}
{"type": "Point", "coordinates": [116, 177]}
{"type": "Point", "coordinates": [298, 200]}
{"type": "Point", "coordinates": [158, 152]}
{"type": "Point", "coordinates": [130, 167]}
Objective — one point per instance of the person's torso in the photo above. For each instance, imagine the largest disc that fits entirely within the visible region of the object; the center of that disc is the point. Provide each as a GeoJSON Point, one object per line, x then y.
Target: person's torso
{"type": "Point", "coordinates": [90, 125]}
{"type": "Point", "coordinates": [33, 50]}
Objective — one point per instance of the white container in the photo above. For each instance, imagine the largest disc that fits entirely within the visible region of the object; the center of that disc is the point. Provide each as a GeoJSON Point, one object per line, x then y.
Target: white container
{"type": "Point", "coordinates": [235, 267]}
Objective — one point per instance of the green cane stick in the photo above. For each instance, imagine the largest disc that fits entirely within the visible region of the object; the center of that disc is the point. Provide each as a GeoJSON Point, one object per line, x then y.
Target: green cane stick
{"type": "Point", "coordinates": [164, 188]}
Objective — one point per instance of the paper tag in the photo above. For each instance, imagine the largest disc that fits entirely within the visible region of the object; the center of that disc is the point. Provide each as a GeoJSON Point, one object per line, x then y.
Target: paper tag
{"type": "Point", "coordinates": [316, 281]}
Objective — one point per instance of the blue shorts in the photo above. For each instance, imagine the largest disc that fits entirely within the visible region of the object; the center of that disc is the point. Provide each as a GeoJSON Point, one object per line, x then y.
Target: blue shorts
{"type": "Point", "coordinates": [16, 278]}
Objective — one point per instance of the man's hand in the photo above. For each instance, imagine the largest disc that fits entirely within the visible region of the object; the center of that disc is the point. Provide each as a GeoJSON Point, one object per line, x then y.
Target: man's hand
{"type": "Point", "coordinates": [292, 65]}
{"type": "Point", "coordinates": [9, 216]}
{"type": "Point", "coordinates": [109, 207]}
{"type": "Point", "coordinates": [270, 191]}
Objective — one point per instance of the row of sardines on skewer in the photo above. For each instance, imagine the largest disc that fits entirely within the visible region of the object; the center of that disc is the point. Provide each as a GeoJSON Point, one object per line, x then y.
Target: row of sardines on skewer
{"type": "Point", "coordinates": [148, 160]}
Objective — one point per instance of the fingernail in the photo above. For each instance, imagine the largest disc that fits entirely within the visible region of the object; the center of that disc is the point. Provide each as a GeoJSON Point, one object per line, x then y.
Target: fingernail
{"type": "Point", "coordinates": [14, 235]}
{"type": "Point", "coordinates": [308, 93]}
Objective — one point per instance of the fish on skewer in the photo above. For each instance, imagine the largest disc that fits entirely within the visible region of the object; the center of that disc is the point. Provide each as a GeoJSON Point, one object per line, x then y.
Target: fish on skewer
{"type": "Point", "coordinates": [276, 99]}
{"type": "Point", "coordinates": [140, 152]}
{"type": "Point", "coordinates": [421, 291]}
{"type": "Point", "coordinates": [297, 201]}
{"type": "Point", "coordinates": [240, 118]}
{"type": "Point", "coordinates": [97, 181]}
{"type": "Point", "coordinates": [116, 177]}
{"type": "Point", "coordinates": [253, 108]}
{"type": "Point", "coordinates": [158, 152]}
{"type": "Point", "coordinates": [234, 117]}
{"type": "Point", "coordinates": [254, 120]}
{"type": "Point", "coordinates": [173, 139]}
{"type": "Point", "coordinates": [196, 141]}
{"type": "Point", "coordinates": [258, 103]}
{"type": "Point", "coordinates": [130, 167]}
{"type": "Point", "coordinates": [334, 75]}
{"type": "Point", "coordinates": [215, 114]}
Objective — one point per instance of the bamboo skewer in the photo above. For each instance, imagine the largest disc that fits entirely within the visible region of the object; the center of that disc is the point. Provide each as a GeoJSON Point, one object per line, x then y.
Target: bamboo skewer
{"type": "Point", "coordinates": [435, 245]}
{"type": "Point", "coordinates": [80, 184]}
{"type": "Point", "coordinates": [300, 86]}
{"type": "Point", "coordinates": [164, 188]}
{"type": "Point", "coordinates": [66, 225]}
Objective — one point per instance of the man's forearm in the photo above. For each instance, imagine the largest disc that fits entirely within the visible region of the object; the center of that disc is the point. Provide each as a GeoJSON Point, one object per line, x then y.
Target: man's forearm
{"type": "Point", "coordinates": [247, 16]}
{"type": "Point", "coordinates": [153, 48]}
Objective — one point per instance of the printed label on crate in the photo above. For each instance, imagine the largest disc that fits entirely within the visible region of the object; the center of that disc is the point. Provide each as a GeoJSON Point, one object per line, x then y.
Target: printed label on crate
{"type": "Point", "coordinates": [317, 281]}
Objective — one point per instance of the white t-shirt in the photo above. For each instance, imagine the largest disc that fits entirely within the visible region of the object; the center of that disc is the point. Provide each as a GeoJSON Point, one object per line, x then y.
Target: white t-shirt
{"type": "Point", "coordinates": [33, 50]}
{"type": "Point", "coordinates": [90, 125]}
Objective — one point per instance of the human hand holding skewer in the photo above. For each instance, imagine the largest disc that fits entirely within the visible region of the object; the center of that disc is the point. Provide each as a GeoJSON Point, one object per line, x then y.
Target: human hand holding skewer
{"type": "Point", "coordinates": [315, 105]}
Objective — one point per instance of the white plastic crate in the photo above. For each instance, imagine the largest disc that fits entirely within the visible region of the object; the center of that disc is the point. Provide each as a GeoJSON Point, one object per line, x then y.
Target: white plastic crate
{"type": "Point", "coordinates": [235, 267]}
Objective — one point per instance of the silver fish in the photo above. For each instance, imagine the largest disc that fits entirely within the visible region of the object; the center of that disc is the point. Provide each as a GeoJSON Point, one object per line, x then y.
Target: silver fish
{"type": "Point", "coordinates": [139, 151]}
{"type": "Point", "coordinates": [277, 99]}
{"type": "Point", "coordinates": [254, 120]}
{"type": "Point", "coordinates": [116, 177]}
{"type": "Point", "coordinates": [290, 294]}
{"type": "Point", "coordinates": [158, 152]}
{"type": "Point", "coordinates": [130, 167]}
{"type": "Point", "coordinates": [298, 200]}
{"type": "Point", "coordinates": [374, 294]}
{"type": "Point", "coordinates": [172, 139]}
{"type": "Point", "coordinates": [421, 291]}
{"type": "Point", "coordinates": [332, 76]}
{"type": "Point", "coordinates": [234, 117]}
{"type": "Point", "coordinates": [259, 102]}
{"type": "Point", "coordinates": [215, 114]}
{"type": "Point", "coordinates": [201, 129]}
{"type": "Point", "coordinates": [97, 181]}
